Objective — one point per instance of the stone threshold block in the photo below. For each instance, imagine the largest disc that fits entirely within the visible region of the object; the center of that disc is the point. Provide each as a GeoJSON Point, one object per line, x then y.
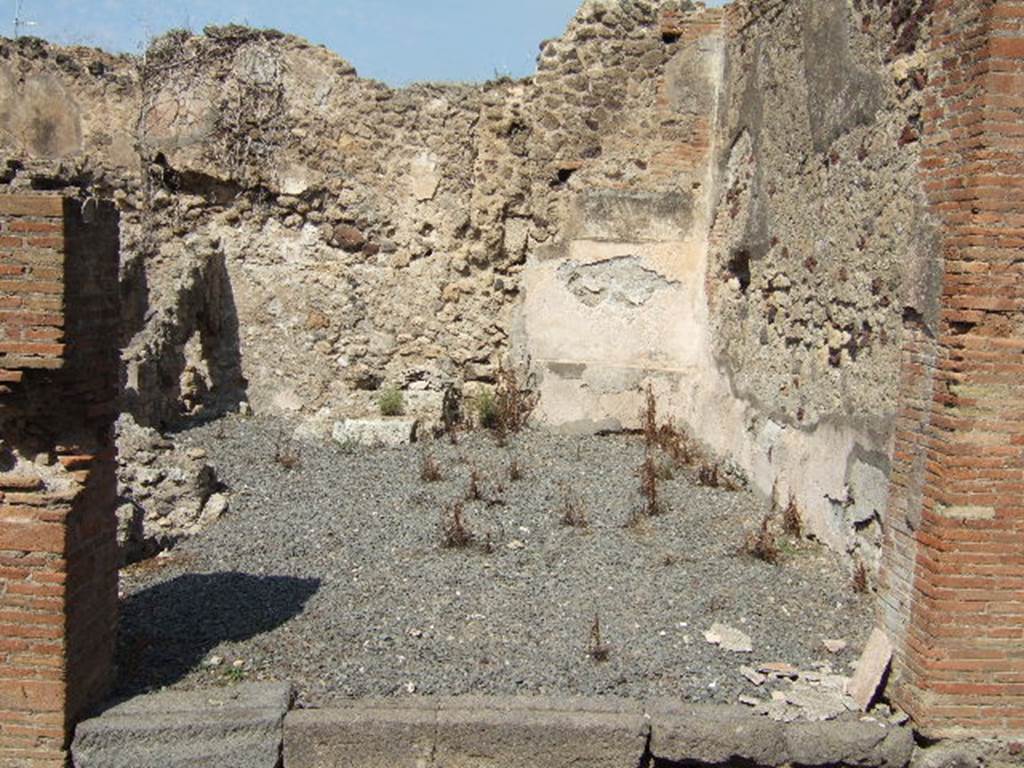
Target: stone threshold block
{"type": "Point", "coordinates": [237, 727]}
{"type": "Point", "coordinates": [727, 735]}
{"type": "Point", "coordinates": [541, 732]}
{"type": "Point", "coordinates": [482, 732]}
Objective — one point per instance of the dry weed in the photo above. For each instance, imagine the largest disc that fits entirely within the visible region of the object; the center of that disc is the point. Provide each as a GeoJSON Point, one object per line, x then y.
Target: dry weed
{"type": "Point", "coordinates": [574, 511]}
{"type": "Point", "coordinates": [599, 651]}
{"type": "Point", "coordinates": [455, 534]}
{"type": "Point", "coordinates": [861, 583]}
{"type": "Point", "coordinates": [761, 543]}
{"type": "Point", "coordinates": [649, 487]}
{"type": "Point", "coordinates": [792, 520]}
{"type": "Point", "coordinates": [430, 470]}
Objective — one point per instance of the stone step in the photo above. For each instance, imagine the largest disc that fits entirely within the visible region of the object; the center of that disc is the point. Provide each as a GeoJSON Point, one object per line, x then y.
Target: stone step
{"type": "Point", "coordinates": [237, 727]}
{"type": "Point", "coordinates": [541, 732]}
{"type": "Point", "coordinates": [514, 732]}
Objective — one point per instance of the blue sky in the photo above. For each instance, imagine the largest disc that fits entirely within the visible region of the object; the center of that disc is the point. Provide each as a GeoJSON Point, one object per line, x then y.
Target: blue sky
{"type": "Point", "coordinates": [397, 41]}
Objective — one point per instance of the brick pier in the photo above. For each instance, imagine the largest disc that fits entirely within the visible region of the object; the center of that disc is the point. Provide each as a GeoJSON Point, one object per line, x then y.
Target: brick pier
{"type": "Point", "coordinates": [954, 556]}
{"type": "Point", "coordinates": [58, 560]}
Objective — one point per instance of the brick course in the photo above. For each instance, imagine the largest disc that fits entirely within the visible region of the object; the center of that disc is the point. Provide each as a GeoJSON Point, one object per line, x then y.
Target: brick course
{"type": "Point", "coordinates": [31, 284]}
{"type": "Point", "coordinates": [953, 572]}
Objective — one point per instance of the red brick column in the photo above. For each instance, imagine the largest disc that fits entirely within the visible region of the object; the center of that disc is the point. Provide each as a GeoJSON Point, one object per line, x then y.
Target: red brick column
{"type": "Point", "coordinates": [58, 369]}
{"type": "Point", "coordinates": [953, 571]}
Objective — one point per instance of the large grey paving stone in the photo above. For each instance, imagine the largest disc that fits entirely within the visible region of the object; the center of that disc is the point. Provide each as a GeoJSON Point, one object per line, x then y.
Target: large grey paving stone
{"type": "Point", "coordinates": [718, 734]}
{"type": "Point", "coordinates": [237, 727]}
{"type": "Point", "coordinates": [363, 735]}
{"type": "Point", "coordinates": [540, 733]}
{"type": "Point", "coordinates": [850, 741]}
{"type": "Point", "coordinates": [469, 732]}
{"type": "Point", "coordinates": [714, 734]}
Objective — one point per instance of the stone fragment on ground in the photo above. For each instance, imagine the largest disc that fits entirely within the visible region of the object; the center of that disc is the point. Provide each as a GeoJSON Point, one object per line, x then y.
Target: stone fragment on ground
{"type": "Point", "coordinates": [834, 646]}
{"type": "Point", "coordinates": [817, 702]}
{"type": "Point", "coordinates": [813, 696]}
{"type": "Point", "coordinates": [729, 639]}
{"type": "Point", "coordinates": [753, 675]}
{"type": "Point", "coordinates": [779, 669]}
{"type": "Point", "coordinates": [871, 669]}
{"type": "Point", "coordinates": [375, 433]}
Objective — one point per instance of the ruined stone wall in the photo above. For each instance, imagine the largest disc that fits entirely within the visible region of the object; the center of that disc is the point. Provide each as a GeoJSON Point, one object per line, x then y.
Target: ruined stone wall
{"type": "Point", "coordinates": [75, 105]}
{"type": "Point", "coordinates": [316, 226]}
{"type": "Point", "coordinates": [277, 204]}
{"type": "Point", "coordinates": [724, 207]}
{"type": "Point", "coordinates": [293, 237]}
{"type": "Point", "coordinates": [746, 236]}
{"type": "Point", "coordinates": [816, 254]}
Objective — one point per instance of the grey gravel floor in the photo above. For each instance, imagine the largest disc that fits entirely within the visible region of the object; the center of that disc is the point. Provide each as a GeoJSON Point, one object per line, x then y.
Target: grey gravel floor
{"type": "Point", "coordinates": [331, 575]}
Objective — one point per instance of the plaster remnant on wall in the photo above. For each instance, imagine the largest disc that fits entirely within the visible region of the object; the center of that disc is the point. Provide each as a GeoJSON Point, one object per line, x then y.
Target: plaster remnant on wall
{"type": "Point", "coordinates": [424, 177]}
{"type": "Point", "coordinates": [572, 371]}
{"type": "Point", "coordinates": [621, 282]}
{"type": "Point", "coordinates": [841, 94]}
{"type": "Point", "coordinates": [42, 118]}
{"type": "Point", "coordinates": [635, 216]}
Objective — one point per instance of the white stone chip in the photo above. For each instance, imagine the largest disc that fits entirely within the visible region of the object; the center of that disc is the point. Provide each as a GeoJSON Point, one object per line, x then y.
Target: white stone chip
{"type": "Point", "coordinates": [729, 639]}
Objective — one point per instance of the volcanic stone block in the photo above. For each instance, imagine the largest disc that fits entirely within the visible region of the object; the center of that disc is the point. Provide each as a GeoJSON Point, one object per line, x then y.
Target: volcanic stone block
{"type": "Point", "coordinates": [722, 735]}
{"type": "Point", "coordinates": [364, 735]}
{"type": "Point", "coordinates": [849, 742]}
{"type": "Point", "coordinates": [470, 732]}
{"type": "Point", "coordinates": [539, 733]}
{"type": "Point", "coordinates": [714, 734]}
{"type": "Point", "coordinates": [239, 727]}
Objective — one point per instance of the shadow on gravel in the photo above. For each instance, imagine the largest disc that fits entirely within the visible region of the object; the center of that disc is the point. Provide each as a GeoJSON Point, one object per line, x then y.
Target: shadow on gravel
{"type": "Point", "coordinates": [168, 629]}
